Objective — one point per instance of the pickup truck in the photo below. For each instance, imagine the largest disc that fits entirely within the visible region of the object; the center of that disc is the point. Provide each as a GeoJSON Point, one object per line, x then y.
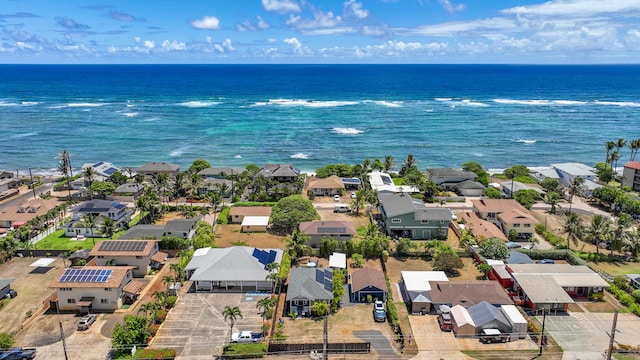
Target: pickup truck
{"type": "Point", "coordinates": [246, 337]}
{"type": "Point", "coordinates": [18, 354]}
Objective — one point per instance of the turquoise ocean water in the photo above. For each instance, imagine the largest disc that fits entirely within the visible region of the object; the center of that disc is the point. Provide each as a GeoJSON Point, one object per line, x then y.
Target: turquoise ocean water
{"type": "Point", "coordinates": [311, 115]}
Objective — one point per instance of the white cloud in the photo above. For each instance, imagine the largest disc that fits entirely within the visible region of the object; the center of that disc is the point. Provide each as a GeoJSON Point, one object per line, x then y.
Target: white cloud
{"type": "Point", "coordinates": [295, 45]}
{"type": "Point", "coordinates": [206, 23]}
{"type": "Point", "coordinates": [372, 31]}
{"type": "Point", "coordinates": [248, 25]}
{"type": "Point", "coordinates": [576, 7]}
{"type": "Point", "coordinates": [227, 45]}
{"type": "Point", "coordinates": [149, 44]}
{"type": "Point", "coordinates": [320, 19]}
{"type": "Point", "coordinates": [354, 8]}
{"type": "Point", "coordinates": [451, 8]}
{"type": "Point", "coordinates": [173, 45]}
{"type": "Point", "coordinates": [280, 6]}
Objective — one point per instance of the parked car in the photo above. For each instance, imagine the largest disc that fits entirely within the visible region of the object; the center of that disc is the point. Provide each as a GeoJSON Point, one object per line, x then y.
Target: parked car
{"type": "Point", "coordinates": [336, 198]}
{"type": "Point", "coordinates": [444, 320]}
{"type": "Point", "coordinates": [18, 354]}
{"type": "Point", "coordinates": [489, 336]}
{"type": "Point", "coordinates": [86, 321]}
{"type": "Point", "coordinates": [11, 294]}
{"type": "Point", "coordinates": [454, 217]}
{"type": "Point", "coordinates": [353, 194]}
{"type": "Point", "coordinates": [513, 245]}
{"type": "Point", "coordinates": [246, 337]}
{"type": "Point", "coordinates": [546, 261]}
{"type": "Point", "coordinates": [379, 314]}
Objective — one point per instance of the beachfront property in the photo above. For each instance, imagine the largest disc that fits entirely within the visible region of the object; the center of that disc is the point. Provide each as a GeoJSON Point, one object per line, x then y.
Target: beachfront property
{"type": "Point", "coordinates": [554, 286]}
{"type": "Point", "coordinates": [180, 228]}
{"type": "Point", "coordinates": [365, 282]}
{"type": "Point", "coordinates": [92, 288]}
{"type": "Point", "coordinates": [352, 183]}
{"type": "Point", "coordinates": [329, 186]}
{"type": "Point", "coordinates": [462, 182]}
{"type": "Point", "coordinates": [569, 171]}
{"type": "Point", "coordinates": [279, 172]}
{"type": "Point", "coordinates": [510, 187]}
{"type": "Point", "coordinates": [153, 169]}
{"type": "Point", "coordinates": [383, 184]}
{"type": "Point", "coordinates": [127, 192]}
{"type": "Point", "coordinates": [219, 172]}
{"type": "Point", "coordinates": [406, 217]}
{"type": "Point", "coordinates": [507, 215]}
{"type": "Point", "coordinates": [306, 286]}
{"type": "Point", "coordinates": [631, 175]}
{"type": "Point", "coordinates": [318, 230]}
{"type": "Point", "coordinates": [102, 170]}
{"type": "Point", "coordinates": [214, 185]}
{"type": "Point", "coordinates": [238, 213]}
{"type": "Point", "coordinates": [235, 269]}
{"type": "Point", "coordinates": [141, 255]}
{"type": "Point", "coordinates": [113, 210]}
{"type": "Point", "coordinates": [12, 217]}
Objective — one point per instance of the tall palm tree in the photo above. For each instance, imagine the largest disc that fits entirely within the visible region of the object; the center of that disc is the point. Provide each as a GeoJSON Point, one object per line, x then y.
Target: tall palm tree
{"type": "Point", "coordinates": [65, 168]}
{"type": "Point", "coordinates": [574, 228]}
{"type": "Point", "coordinates": [89, 174]}
{"type": "Point", "coordinates": [377, 164]}
{"type": "Point", "coordinates": [89, 221]}
{"type": "Point", "coordinates": [634, 145]}
{"type": "Point", "coordinates": [359, 202]}
{"type": "Point", "coordinates": [274, 274]}
{"type": "Point", "coordinates": [161, 186]}
{"type": "Point", "coordinates": [161, 298]}
{"type": "Point", "coordinates": [407, 164]}
{"type": "Point", "coordinates": [574, 188]}
{"type": "Point", "coordinates": [615, 156]}
{"type": "Point", "coordinates": [388, 163]}
{"type": "Point", "coordinates": [231, 314]}
{"type": "Point", "coordinates": [168, 280]}
{"type": "Point", "coordinates": [265, 305]}
{"type": "Point", "coordinates": [223, 189]}
{"type": "Point", "coordinates": [553, 199]}
{"type": "Point", "coordinates": [610, 145]}
{"type": "Point", "coordinates": [599, 231]}
{"type": "Point", "coordinates": [296, 245]}
{"type": "Point", "coordinates": [620, 234]}
{"type": "Point", "coordinates": [108, 227]}
{"type": "Point", "coordinates": [147, 308]}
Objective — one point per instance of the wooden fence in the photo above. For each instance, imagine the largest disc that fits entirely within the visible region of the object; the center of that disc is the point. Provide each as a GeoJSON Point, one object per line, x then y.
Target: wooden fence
{"type": "Point", "coordinates": [332, 348]}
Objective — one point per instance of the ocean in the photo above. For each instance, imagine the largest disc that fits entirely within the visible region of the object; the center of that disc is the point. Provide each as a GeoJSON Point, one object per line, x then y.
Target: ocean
{"type": "Point", "coordinates": [312, 115]}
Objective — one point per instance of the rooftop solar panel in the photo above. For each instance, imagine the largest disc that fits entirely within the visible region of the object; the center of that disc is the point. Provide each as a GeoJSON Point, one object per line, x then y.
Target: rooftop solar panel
{"type": "Point", "coordinates": [319, 276]}
{"type": "Point", "coordinates": [263, 257]}
{"type": "Point", "coordinates": [328, 285]}
{"type": "Point", "coordinates": [98, 164]}
{"type": "Point", "coordinates": [272, 257]}
{"type": "Point", "coordinates": [85, 275]}
{"type": "Point", "coordinates": [256, 253]}
{"type": "Point", "coordinates": [332, 230]}
{"type": "Point", "coordinates": [386, 180]}
{"type": "Point", "coordinates": [110, 171]}
{"type": "Point", "coordinates": [328, 274]}
{"type": "Point", "coordinates": [123, 245]}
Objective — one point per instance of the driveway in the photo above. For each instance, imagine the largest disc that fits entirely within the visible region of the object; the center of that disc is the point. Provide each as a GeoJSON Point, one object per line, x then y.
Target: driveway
{"type": "Point", "coordinates": [196, 328]}
{"type": "Point", "coordinates": [584, 335]}
{"type": "Point", "coordinates": [76, 343]}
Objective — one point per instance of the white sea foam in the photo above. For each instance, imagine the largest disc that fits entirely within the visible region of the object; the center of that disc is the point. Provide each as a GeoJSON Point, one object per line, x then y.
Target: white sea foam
{"type": "Point", "coordinates": [29, 103]}
{"type": "Point", "coordinates": [308, 103]}
{"type": "Point", "coordinates": [618, 103]}
{"type": "Point", "coordinates": [443, 99]}
{"type": "Point", "coordinates": [474, 103]}
{"type": "Point", "coordinates": [18, 136]}
{"type": "Point", "coordinates": [478, 154]}
{"type": "Point", "coordinates": [524, 141]}
{"type": "Point", "coordinates": [568, 102]}
{"type": "Point", "coordinates": [238, 156]}
{"type": "Point", "coordinates": [4, 103]}
{"type": "Point", "coordinates": [346, 131]}
{"type": "Point", "coordinates": [521, 102]}
{"type": "Point", "coordinates": [299, 156]}
{"type": "Point", "coordinates": [130, 114]}
{"type": "Point", "coordinates": [199, 104]}
{"type": "Point", "coordinates": [178, 152]}
{"type": "Point", "coordinates": [393, 104]}
{"type": "Point", "coordinates": [86, 104]}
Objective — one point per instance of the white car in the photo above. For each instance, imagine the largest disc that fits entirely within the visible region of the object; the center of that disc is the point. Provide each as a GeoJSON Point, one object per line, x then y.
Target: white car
{"type": "Point", "coordinates": [353, 194]}
{"type": "Point", "coordinates": [454, 217]}
{"type": "Point", "coordinates": [336, 198]}
{"type": "Point", "coordinates": [86, 321]}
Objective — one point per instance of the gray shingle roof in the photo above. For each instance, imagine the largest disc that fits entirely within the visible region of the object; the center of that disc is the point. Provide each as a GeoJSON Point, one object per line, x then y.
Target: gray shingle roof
{"type": "Point", "coordinates": [5, 282]}
{"type": "Point", "coordinates": [483, 313]}
{"type": "Point", "coordinates": [228, 264]}
{"type": "Point", "coordinates": [303, 284]}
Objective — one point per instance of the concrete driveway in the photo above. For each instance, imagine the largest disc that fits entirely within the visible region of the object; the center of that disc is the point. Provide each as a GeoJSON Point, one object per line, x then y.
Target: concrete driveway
{"type": "Point", "coordinates": [77, 342]}
{"type": "Point", "coordinates": [584, 335]}
{"type": "Point", "coordinates": [196, 328]}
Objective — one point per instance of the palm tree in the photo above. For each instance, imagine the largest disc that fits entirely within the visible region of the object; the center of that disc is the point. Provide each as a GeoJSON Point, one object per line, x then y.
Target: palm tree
{"type": "Point", "coordinates": [161, 298]}
{"type": "Point", "coordinates": [359, 202]}
{"type": "Point", "coordinates": [89, 221]}
{"type": "Point", "coordinates": [89, 175]}
{"type": "Point", "coordinates": [574, 188]}
{"type": "Point", "coordinates": [265, 305]}
{"type": "Point", "coordinates": [178, 270]}
{"type": "Point", "coordinates": [223, 189]}
{"type": "Point", "coordinates": [599, 231]}
{"type": "Point", "coordinates": [161, 186]}
{"type": "Point", "coordinates": [615, 156]}
{"type": "Point", "coordinates": [65, 168]}
{"type": "Point", "coordinates": [620, 234]}
{"type": "Point", "coordinates": [574, 228]}
{"type": "Point", "coordinates": [388, 163]}
{"type": "Point", "coordinates": [634, 145]}
{"type": "Point", "coordinates": [366, 165]}
{"type": "Point", "coordinates": [552, 198]}
{"type": "Point", "coordinates": [320, 308]}
{"type": "Point", "coordinates": [147, 308]}
{"type": "Point", "coordinates": [296, 245]}
{"type": "Point", "coordinates": [108, 226]}
{"type": "Point", "coordinates": [274, 274]}
{"type": "Point", "coordinates": [407, 164]}
{"type": "Point", "coordinates": [377, 164]}
{"type": "Point", "coordinates": [232, 313]}
{"type": "Point", "coordinates": [610, 145]}
{"type": "Point", "coordinates": [634, 243]}
{"type": "Point", "coordinates": [168, 280]}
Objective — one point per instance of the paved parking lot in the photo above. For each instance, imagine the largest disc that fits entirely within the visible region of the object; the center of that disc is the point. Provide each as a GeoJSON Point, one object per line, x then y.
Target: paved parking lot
{"type": "Point", "coordinates": [196, 328]}
{"type": "Point", "coordinates": [437, 344]}
{"type": "Point", "coordinates": [584, 335]}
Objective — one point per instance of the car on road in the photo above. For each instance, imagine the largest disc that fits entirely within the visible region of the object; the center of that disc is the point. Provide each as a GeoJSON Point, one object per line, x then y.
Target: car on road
{"type": "Point", "coordinates": [18, 354]}
{"type": "Point", "coordinates": [379, 314]}
{"type": "Point", "coordinates": [86, 321]}
{"type": "Point", "coordinates": [546, 261]}
{"type": "Point", "coordinates": [246, 337]}
{"type": "Point", "coordinates": [336, 198]}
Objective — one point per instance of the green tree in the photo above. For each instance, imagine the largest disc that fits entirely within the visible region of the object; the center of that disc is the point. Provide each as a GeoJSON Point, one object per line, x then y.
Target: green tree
{"type": "Point", "coordinates": [118, 178]}
{"type": "Point", "coordinates": [388, 163]}
{"type": "Point", "coordinates": [103, 188]}
{"type": "Point", "coordinates": [574, 228]}
{"type": "Point", "coordinates": [405, 247]}
{"type": "Point", "coordinates": [493, 248]}
{"type": "Point", "coordinates": [290, 211]}
{"type": "Point", "coordinates": [550, 184]}
{"type": "Point", "coordinates": [609, 146]}
{"type": "Point", "coordinates": [328, 246]}
{"type": "Point", "coordinates": [89, 174]}
{"type": "Point", "coordinates": [108, 226]}
{"type": "Point", "coordinates": [634, 146]}
{"type": "Point", "coordinates": [474, 167]}
{"type": "Point", "coordinates": [620, 234]}
{"type": "Point", "coordinates": [199, 165]}
{"type": "Point", "coordinates": [320, 308]}
{"type": "Point", "coordinates": [599, 231]}
{"type": "Point", "coordinates": [357, 261]}
{"type": "Point", "coordinates": [6, 341]}
{"type": "Point", "coordinates": [133, 331]}
{"type": "Point", "coordinates": [359, 202]}
{"type": "Point", "coordinates": [553, 199]}
{"type": "Point", "coordinates": [408, 163]}
{"type": "Point", "coordinates": [492, 193]}
{"type": "Point", "coordinates": [231, 314]}
{"type": "Point", "coordinates": [65, 168]}
{"type": "Point", "coordinates": [296, 245]}
{"type": "Point", "coordinates": [526, 197]}
{"type": "Point", "coordinates": [265, 305]}
{"type": "Point", "coordinates": [449, 263]}
{"type": "Point", "coordinates": [605, 172]}
{"type": "Point", "coordinates": [484, 268]}
{"type": "Point", "coordinates": [575, 187]}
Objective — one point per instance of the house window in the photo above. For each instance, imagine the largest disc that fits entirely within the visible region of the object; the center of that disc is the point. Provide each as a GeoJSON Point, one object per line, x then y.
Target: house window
{"type": "Point", "coordinates": [71, 301]}
{"type": "Point", "coordinates": [516, 225]}
{"type": "Point", "coordinates": [104, 301]}
{"type": "Point", "coordinates": [108, 289]}
{"type": "Point", "coordinates": [138, 257]}
{"type": "Point", "coordinates": [396, 221]}
{"type": "Point", "coordinates": [300, 302]}
{"type": "Point", "coordinates": [65, 289]}
{"type": "Point", "coordinates": [527, 225]}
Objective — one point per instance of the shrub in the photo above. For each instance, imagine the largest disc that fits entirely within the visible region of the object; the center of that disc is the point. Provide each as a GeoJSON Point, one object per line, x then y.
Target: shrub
{"type": "Point", "coordinates": [153, 329]}
{"type": "Point", "coordinates": [244, 351]}
{"type": "Point", "coordinates": [392, 315]}
{"type": "Point", "coordinates": [6, 340]}
{"type": "Point", "coordinates": [171, 301]}
{"type": "Point", "coordinates": [161, 315]}
{"type": "Point", "coordinates": [155, 354]}
{"type": "Point", "coordinates": [223, 217]}
{"type": "Point", "coordinates": [549, 236]}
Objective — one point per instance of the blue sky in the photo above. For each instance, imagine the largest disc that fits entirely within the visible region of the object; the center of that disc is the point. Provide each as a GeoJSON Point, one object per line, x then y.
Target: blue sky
{"type": "Point", "coordinates": [315, 31]}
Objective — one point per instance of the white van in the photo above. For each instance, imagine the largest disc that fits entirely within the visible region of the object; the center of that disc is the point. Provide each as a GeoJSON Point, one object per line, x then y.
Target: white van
{"type": "Point", "coordinates": [341, 208]}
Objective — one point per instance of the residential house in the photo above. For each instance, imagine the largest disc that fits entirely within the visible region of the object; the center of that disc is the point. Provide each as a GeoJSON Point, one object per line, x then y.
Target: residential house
{"type": "Point", "coordinates": [365, 282]}
{"type": "Point", "coordinates": [634, 280]}
{"type": "Point", "coordinates": [554, 286]}
{"type": "Point", "coordinates": [509, 188]}
{"type": "Point", "coordinates": [237, 213]}
{"type": "Point", "coordinates": [329, 186]}
{"type": "Point", "coordinates": [254, 224]}
{"type": "Point", "coordinates": [306, 286]}
{"type": "Point", "coordinates": [570, 171]}
{"type": "Point", "coordinates": [541, 173]}
{"type": "Point", "coordinates": [467, 293]}
{"type": "Point", "coordinates": [406, 217]}
{"type": "Point", "coordinates": [91, 288]}
{"type": "Point", "coordinates": [219, 172]}
{"type": "Point", "coordinates": [114, 210]}
{"type": "Point", "coordinates": [181, 228]}
{"type": "Point", "coordinates": [153, 169]}
{"type": "Point", "coordinates": [383, 184]}
{"type": "Point", "coordinates": [415, 286]}
{"type": "Point", "coordinates": [631, 175]}
{"type": "Point", "coordinates": [466, 188]}
{"type": "Point", "coordinates": [141, 255]}
{"type": "Point", "coordinates": [102, 170]}
{"type": "Point", "coordinates": [487, 316]}
{"type": "Point", "coordinates": [5, 287]}
{"type": "Point", "coordinates": [214, 185]}
{"type": "Point", "coordinates": [351, 183]}
{"type": "Point", "coordinates": [507, 214]}
{"type": "Point", "coordinates": [462, 182]}
{"type": "Point", "coordinates": [8, 181]}
{"type": "Point", "coordinates": [16, 216]}
{"type": "Point", "coordinates": [462, 323]}
{"type": "Point", "coordinates": [279, 172]}
{"type": "Point", "coordinates": [235, 269]}
{"type": "Point", "coordinates": [317, 230]}
{"type": "Point", "coordinates": [127, 192]}
{"type": "Point", "coordinates": [80, 257]}
{"type": "Point", "coordinates": [481, 229]}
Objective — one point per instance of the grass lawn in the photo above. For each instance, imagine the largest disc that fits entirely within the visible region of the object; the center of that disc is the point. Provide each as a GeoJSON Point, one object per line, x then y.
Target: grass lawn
{"type": "Point", "coordinates": [58, 241]}
{"type": "Point", "coordinates": [617, 268]}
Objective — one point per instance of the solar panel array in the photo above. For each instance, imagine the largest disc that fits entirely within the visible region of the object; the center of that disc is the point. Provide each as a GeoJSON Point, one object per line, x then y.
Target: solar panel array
{"type": "Point", "coordinates": [85, 276]}
{"type": "Point", "coordinates": [265, 257]}
{"type": "Point", "coordinates": [110, 171]}
{"type": "Point", "coordinates": [325, 277]}
{"type": "Point", "coordinates": [122, 245]}
{"type": "Point", "coordinates": [332, 230]}
{"type": "Point", "coordinates": [386, 180]}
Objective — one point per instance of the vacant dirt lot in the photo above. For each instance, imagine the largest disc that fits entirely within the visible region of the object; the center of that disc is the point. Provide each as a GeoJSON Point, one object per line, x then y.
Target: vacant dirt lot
{"type": "Point", "coordinates": [228, 234]}
{"type": "Point", "coordinates": [32, 285]}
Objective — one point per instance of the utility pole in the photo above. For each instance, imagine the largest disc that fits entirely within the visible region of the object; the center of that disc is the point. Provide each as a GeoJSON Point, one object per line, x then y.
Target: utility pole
{"type": "Point", "coordinates": [64, 344]}
{"type": "Point", "coordinates": [325, 339]}
{"type": "Point", "coordinates": [542, 336]}
{"type": "Point", "coordinates": [613, 334]}
{"type": "Point", "coordinates": [33, 186]}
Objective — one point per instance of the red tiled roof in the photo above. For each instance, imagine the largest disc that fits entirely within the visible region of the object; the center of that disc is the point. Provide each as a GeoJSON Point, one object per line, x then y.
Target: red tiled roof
{"type": "Point", "coordinates": [633, 165]}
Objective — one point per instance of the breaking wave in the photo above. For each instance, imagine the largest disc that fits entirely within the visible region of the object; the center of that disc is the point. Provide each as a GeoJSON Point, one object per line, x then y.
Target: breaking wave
{"type": "Point", "coordinates": [346, 131]}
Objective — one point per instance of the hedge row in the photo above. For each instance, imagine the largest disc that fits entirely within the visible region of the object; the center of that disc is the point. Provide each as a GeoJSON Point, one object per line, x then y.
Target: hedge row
{"type": "Point", "coordinates": [550, 237]}
{"type": "Point", "coordinates": [223, 217]}
{"type": "Point", "coordinates": [244, 351]}
{"type": "Point", "coordinates": [625, 299]}
{"type": "Point", "coordinates": [157, 354]}
{"type": "Point", "coordinates": [255, 203]}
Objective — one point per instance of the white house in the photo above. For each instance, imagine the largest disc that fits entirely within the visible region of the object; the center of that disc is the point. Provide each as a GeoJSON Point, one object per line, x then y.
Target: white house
{"type": "Point", "coordinates": [142, 255]}
{"type": "Point", "coordinates": [416, 286]}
